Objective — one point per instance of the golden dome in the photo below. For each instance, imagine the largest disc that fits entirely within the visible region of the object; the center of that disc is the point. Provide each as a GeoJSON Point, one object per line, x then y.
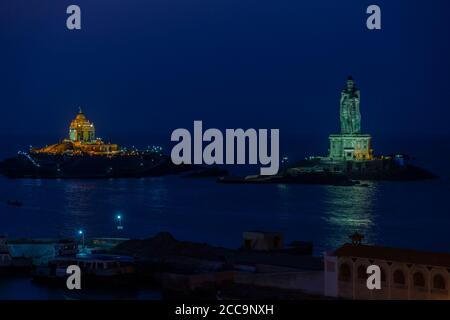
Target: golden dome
{"type": "Point", "coordinates": [80, 117]}
{"type": "Point", "coordinates": [80, 120]}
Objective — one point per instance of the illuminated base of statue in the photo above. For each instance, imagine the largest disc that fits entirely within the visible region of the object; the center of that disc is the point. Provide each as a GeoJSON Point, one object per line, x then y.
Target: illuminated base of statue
{"type": "Point", "coordinates": [350, 147]}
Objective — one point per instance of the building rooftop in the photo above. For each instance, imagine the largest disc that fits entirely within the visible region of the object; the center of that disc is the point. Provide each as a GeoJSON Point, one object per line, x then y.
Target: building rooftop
{"type": "Point", "coordinates": [394, 254]}
{"type": "Point", "coordinates": [164, 245]}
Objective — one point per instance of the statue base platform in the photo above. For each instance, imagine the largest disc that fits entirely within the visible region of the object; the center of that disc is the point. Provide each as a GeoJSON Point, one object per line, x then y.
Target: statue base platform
{"type": "Point", "coordinates": [350, 147]}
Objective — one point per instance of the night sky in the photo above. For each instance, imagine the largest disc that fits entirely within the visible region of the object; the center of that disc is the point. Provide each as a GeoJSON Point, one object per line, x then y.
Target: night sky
{"type": "Point", "coordinates": [144, 67]}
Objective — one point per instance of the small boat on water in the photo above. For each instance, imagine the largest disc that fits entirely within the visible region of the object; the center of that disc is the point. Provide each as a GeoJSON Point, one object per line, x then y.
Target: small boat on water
{"type": "Point", "coordinates": [15, 203]}
{"type": "Point", "coordinates": [96, 269]}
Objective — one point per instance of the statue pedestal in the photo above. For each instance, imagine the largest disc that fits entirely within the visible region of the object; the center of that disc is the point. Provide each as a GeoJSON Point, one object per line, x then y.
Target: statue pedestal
{"type": "Point", "coordinates": [350, 147]}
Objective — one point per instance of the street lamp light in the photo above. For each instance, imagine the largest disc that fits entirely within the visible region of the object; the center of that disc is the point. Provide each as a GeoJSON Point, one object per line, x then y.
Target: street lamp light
{"type": "Point", "coordinates": [119, 219]}
{"type": "Point", "coordinates": [81, 233]}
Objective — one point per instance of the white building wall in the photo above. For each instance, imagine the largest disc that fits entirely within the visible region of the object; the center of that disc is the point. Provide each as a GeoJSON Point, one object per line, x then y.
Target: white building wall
{"type": "Point", "coordinates": [330, 276]}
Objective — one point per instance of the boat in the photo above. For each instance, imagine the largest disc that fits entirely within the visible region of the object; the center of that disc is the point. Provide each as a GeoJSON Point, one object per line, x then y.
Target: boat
{"type": "Point", "coordinates": [66, 247]}
{"type": "Point", "coordinates": [42, 250]}
{"type": "Point", "coordinates": [14, 203]}
{"type": "Point", "coordinates": [318, 178]}
{"type": "Point", "coordinates": [96, 269]}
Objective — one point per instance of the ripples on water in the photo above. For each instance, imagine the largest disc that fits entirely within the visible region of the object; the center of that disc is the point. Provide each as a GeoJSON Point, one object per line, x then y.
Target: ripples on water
{"type": "Point", "coordinates": [347, 210]}
{"type": "Point", "coordinates": [414, 214]}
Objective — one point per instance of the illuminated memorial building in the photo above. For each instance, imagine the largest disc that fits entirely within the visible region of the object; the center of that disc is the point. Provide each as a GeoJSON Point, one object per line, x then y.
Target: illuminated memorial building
{"type": "Point", "coordinates": [81, 140]}
{"type": "Point", "coordinates": [83, 155]}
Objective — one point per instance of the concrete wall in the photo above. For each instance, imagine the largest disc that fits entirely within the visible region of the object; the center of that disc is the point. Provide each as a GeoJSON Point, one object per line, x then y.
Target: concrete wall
{"type": "Point", "coordinates": [262, 241]}
{"type": "Point", "coordinates": [189, 282]}
{"type": "Point", "coordinates": [307, 281]}
{"type": "Point", "coordinates": [330, 276]}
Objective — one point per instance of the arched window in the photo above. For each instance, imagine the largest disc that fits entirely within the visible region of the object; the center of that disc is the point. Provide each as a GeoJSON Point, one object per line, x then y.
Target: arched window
{"type": "Point", "coordinates": [439, 282]}
{"type": "Point", "coordinates": [362, 272]}
{"type": "Point", "coordinates": [419, 279]}
{"type": "Point", "coordinates": [345, 273]}
{"type": "Point", "coordinates": [399, 277]}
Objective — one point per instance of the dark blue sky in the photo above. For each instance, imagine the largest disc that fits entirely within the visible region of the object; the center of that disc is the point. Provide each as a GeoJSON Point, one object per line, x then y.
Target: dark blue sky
{"type": "Point", "coordinates": [150, 66]}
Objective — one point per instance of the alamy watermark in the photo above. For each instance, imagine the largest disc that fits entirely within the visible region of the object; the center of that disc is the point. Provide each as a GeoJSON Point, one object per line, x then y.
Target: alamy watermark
{"type": "Point", "coordinates": [74, 278]}
{"type": "Point", "coordinates": [374, 279]}
{"type": "Point", "coordinates": [229, 148]}
{"type": "Point", "coordinates": [73, 21]}
{"type": "Point", "coordinates": [374, 20]}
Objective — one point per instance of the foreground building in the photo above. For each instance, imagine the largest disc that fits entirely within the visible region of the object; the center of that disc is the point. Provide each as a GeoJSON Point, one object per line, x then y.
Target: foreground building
{"type": "Point", "coordinates": [405, 274]}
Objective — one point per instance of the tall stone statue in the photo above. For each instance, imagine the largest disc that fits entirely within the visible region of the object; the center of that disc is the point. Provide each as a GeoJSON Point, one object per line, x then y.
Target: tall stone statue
{"type": "Point", "coordinates": [349, 112]}
{"type": "Point", "coordinates": [350, 144]}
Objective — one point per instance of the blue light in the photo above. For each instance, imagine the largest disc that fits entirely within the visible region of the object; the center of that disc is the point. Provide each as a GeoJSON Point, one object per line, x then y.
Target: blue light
{"type": "Point", "coordinates": [80, 232]}
{"type": "Point", "coordinates": [119, 217]}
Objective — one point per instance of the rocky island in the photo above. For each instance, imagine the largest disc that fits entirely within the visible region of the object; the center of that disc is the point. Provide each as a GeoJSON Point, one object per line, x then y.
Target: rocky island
{"type": "Point", "coordinates": [83, 155]}
{"type": "Point", "coordinates": [350, 155]}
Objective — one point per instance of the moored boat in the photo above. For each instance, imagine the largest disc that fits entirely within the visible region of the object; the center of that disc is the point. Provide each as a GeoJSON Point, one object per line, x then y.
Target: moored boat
{"type": "Point", "coordinates": [96, 269]}
{"type": "Point", "coordinates": [14, 203]}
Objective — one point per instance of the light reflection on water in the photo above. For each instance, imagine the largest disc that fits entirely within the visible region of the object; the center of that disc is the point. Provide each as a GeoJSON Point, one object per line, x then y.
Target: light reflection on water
{"type": "Point", "coordinates": [284, 192]}
{"type": "Point", "coordinates": [84, 201]}
{"type": "Point", "coordinates": [201, 210]}
{"type": "Point", "coordinates": [348, 210]}
{"type": "Point", "coordinates": [77, 199]}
